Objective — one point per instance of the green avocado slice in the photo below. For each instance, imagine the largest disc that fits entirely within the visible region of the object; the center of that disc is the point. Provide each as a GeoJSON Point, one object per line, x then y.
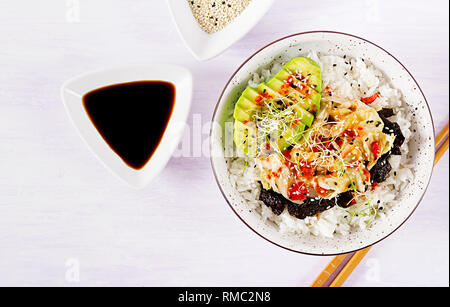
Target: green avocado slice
{"type": "Point", "coordinates": [243, 114]}
{"type": "Point", "coordinates": [266, 91]}
{"type": "Point", "coordinates": [310, 98]}
{"type": "Point", "coordinates": [288, 86]}
{"type": "Point", "coordinates": [304, 116]}
{"type": "Point", "coordinates": [245, 138]}
{"type": "Point", "coordinates": [289, 137]}
{"type": "Point", "coordinates": [246, 104]}
{"type": "Point", "coordinates": [306, 70]}
{"type": "Point", "coordinates": [288, 92]}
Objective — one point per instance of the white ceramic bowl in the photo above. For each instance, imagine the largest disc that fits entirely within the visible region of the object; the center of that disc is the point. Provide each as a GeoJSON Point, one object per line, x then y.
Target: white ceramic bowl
{"type": "Point", "coordinates": [421, 145]}
{"type": "Point", "coordinates": [74, 90]}
{"type": "Point", "coordinates": [207, 46]}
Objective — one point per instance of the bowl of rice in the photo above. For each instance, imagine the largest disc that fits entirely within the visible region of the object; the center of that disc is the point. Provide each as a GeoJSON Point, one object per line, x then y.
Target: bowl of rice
{"type": "Point", "coordinates": [356, 71]}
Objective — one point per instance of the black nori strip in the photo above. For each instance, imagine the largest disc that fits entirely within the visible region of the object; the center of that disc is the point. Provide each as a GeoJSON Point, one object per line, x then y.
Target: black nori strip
{"type": "Point", "coordinates": [273, 200]}
{"type": "Point", "coordinates": [386, 113]}
{"type": "Point", "coordinates": [345, 200]}
{"type": "Point", "coordinates": [392, 128]}
{"type": "Point", "coordinates": [381, 170]}
{"type": "Point", "coordinates": [310, 207]}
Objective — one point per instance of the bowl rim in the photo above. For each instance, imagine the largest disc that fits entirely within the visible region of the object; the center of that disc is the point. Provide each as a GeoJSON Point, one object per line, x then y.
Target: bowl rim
{"type": "Point", "coordinates": [228, 84]}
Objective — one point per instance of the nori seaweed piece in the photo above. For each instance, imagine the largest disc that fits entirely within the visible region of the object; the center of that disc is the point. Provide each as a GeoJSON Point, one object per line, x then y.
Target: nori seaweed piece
{"type": "Point", "coordinates": [273, 200]}
{"type": "Point", "coordinates": [344, 200]}
{"type": "Point", "coordinates": [392, 128]}
{"type": "Point", "coordinates": [310, 207]}
{"type": "Point", "coordinates": [386, 113]}
{"type": "Point", "coordinates": [399, 137]}
{"type": "Point", "coordinates": [381, 170]}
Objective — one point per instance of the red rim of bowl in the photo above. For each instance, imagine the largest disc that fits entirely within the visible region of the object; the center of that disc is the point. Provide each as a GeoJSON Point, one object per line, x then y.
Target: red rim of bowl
{"type": "Point", "coordinates": [220, 99]}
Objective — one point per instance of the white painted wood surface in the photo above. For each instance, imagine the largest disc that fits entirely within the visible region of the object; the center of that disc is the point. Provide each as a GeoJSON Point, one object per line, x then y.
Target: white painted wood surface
{"type": "Point", "coordinates": [62, 212]}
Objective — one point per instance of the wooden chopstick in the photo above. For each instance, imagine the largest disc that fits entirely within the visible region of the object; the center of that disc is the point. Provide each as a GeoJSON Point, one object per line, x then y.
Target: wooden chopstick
{"type": "Point", "coordinates": [441, 151]}
{"type": "Point", "coordinates": [341, 276]}
{"type": "Point", "coordinates": [327, 273]}
{"type": "Point", "coordinates": [349, 268]}
{"type": "Point", "coordinates": [442, 135]}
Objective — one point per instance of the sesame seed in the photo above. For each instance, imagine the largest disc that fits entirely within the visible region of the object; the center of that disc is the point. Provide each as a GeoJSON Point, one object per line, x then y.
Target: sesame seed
{"type": "Point", "coordinates": [213, 16]}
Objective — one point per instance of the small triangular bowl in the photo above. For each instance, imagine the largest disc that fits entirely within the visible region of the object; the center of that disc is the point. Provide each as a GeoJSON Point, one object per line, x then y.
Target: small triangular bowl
{"type": "Point", "coordinates": [206, 46]}
{"type": "Point", "coordinates": [72, 94]}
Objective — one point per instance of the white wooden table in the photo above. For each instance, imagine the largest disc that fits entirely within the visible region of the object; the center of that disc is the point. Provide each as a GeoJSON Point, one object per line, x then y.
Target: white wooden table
{"type": "Point", "coordinates": [65, 220]}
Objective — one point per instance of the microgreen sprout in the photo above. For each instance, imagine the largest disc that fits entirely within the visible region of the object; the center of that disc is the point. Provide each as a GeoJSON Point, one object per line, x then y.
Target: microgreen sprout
{"type": "Point", "coordinates": [370, 211]}
{"type": "Point", "coordinates": [245, 166]}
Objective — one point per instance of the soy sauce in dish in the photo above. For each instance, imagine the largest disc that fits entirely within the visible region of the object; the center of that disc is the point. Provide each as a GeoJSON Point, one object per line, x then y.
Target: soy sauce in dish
{"type": "Point", "coordinates": [132, 117]}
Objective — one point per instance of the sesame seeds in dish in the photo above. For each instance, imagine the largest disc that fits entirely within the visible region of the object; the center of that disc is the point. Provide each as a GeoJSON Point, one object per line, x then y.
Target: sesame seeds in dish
{"type": "Point", "coordinates": [323, 145]}
{"type": "Point", "coordinates": [212, 15]}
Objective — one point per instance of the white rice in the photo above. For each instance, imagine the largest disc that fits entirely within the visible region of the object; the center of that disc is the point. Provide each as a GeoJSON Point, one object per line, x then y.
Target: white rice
{"type": "Point", "coordinates": [352, 79]}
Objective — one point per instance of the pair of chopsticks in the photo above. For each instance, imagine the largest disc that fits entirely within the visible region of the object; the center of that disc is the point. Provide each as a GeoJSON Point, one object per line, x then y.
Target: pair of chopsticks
{"type": "Point", "coordinates": [441, 144]}
{"type": "Point", "coordinates": [340, 268]}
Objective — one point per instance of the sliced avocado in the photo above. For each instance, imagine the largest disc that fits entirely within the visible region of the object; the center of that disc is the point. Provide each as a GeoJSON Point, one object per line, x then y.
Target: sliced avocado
{"type": "Point", "coordinates": [266, 91]}
{"type": "Point", "coordinates": [304, 116]}
{"type": "Point", "coordinates": [309, 98]}
{"type": "Point", "coordinates": [301, 114]}
{"type": "Point", "coordinates": [289, 137]}
{"type": "Point", "coordinates": [297, 87]}
{"type": "Point", "coordinates": [251, 99]}
{"type": "Point", "coordinates": [293, 100]}
{"type": "Point", "coordinates": [306, 70]}
{"type": "Point", "coordinates": [243, 115]}
{"type": "Point", "coordinates": [283, 89]}
{"type": "Point", "coordinates": [246, 104]}
{"type": "Point", "coordinates": [252, 95]}
{"type": "Point", "coordinates": [286, 76]}
{"type": "Point", "coordinates": [286, 91]}
{"type": "Point", "coordinates": [245, 138]}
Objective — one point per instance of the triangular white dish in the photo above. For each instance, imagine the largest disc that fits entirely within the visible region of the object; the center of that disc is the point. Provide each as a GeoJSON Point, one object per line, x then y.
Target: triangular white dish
{"type": "Point", "coordinates": [207, 46]}
{"type": "Point", "coordinates": [74, 90]}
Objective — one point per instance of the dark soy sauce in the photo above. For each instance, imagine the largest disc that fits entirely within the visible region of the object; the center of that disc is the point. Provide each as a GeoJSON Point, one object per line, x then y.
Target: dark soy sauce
{"type": "Point", "coordinates": [132, 117]}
